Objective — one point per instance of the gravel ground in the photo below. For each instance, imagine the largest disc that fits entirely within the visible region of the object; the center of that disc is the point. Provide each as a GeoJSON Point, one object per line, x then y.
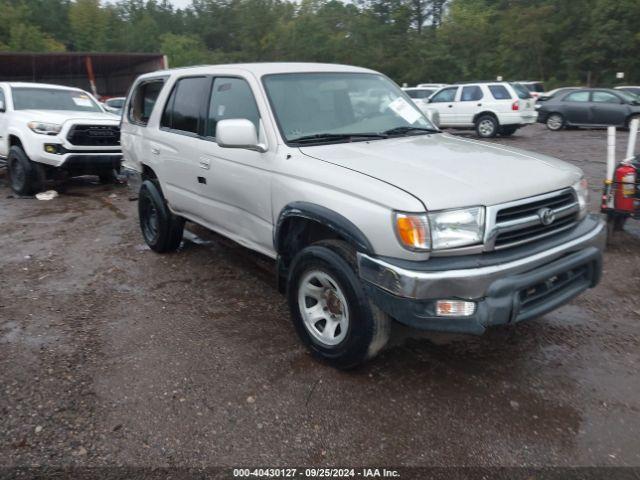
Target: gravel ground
{"type": "Point", "coordinates": [111, 355]}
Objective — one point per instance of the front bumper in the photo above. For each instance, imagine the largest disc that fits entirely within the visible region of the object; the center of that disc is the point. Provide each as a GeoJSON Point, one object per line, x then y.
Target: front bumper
{"type": "Point", "coordinates": [506, 290]}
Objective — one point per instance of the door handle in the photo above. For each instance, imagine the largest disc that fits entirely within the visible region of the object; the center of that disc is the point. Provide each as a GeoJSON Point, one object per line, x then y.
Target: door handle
{"type": "Point", "coordinates": [205, 163]}
{"type": "Point", "coordinates": [450, 106]}
{"type": "Point", "coordinates": [155, 150]}
{"type": "Point", "coordinates": [479, 104]}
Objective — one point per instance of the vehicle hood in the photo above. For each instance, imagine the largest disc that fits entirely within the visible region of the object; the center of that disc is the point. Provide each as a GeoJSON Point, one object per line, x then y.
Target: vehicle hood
{"type": "Point", "coordinates": [62, 116]}
{"type": "Point", "coordinates": [444, 171]}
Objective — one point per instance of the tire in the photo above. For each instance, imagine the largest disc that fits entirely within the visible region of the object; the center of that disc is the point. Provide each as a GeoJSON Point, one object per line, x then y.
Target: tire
{"type": "Point", "coordinates": [508, 131]}
{"type": "Point", "coordinates": [161, 229]}
{"type": "Point", "coordinates": [323, 275]}
{"type": "Point", "coordinates": [487, 126]}
{"type": "Point", "coordinates": [108, 177]}
{"type": "Point", "coordinates": [555, 122]}
{"type": "Point", "coordinates": [630, 119]}
{"type": "Point", "coordinates": [25, 177]}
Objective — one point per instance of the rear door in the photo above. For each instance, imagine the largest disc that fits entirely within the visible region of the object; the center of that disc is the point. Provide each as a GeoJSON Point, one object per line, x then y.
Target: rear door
{"type": "Point", "coordinates": [471, 101]}
{"type": "Point", "coordinates": [444, 102]}
{"type": "Point", "coordinates": [576, 107]}
{"type": "Point", "coordinates": [607, 109]}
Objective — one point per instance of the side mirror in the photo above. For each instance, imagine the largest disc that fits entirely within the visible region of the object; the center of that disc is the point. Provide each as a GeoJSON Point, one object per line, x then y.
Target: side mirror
{"type": "Point", "coordinates": [238, 133]}
{"type": "Point", "coordinates": [3, 108]}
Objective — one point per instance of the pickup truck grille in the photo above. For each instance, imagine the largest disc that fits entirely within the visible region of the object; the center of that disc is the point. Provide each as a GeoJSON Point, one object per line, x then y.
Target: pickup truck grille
{"type": "Point", "coordinates": [532, 219]}
{"type": "Point", "coordinates": [94, 135]}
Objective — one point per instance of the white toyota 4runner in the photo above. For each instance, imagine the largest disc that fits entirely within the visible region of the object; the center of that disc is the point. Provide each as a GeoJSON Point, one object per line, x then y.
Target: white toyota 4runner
{"type": "Point", "coordinates": [46, 130]}
{"type": "Point", "coordinates": [371, 213]}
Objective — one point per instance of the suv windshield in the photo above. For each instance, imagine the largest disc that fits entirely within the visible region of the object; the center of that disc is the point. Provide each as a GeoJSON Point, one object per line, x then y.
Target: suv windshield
{"type": "Point", "coordinates": [52, 99]}
{"type": "Point", "coordinates": [342, 107]}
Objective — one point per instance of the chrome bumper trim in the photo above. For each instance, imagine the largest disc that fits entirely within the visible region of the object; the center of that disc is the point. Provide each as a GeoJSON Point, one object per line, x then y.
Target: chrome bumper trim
{"type": "Point", "coordinates": [471, 283]}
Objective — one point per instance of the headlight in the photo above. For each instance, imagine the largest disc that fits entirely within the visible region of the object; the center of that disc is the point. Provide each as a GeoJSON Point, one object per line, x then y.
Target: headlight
{"type": "Point", "coordinates": [440, 230]}
{"type": "Point", "coordinates": [45, 128]}
{"type": "Point", "coordinates": [412, 230]}
{"type": "Point", "coordinates": [582, 192]}
{"type": "Point", "coordinates": [456, 228]}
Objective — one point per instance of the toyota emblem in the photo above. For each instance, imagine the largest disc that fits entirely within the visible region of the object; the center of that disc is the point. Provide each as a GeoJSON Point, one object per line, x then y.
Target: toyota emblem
{"type": "Point", "coordinates": [546, 215]}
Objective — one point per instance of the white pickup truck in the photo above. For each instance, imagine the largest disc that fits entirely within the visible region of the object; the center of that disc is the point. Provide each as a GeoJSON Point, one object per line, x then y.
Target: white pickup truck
{"type": "Point", "coordinates": [46, 130]}
{"type": "Point", "coordinates": [370, 212]}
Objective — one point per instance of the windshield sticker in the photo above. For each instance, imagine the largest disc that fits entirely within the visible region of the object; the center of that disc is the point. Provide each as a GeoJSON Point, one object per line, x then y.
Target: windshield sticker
{"type": "Point", "coordinates": [402, 108]}
{"type": "Point", "coordinates": [82, 101]}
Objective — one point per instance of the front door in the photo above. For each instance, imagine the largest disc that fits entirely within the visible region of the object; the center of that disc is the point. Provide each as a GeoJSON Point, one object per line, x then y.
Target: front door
{"type": "Point", "coordinates": [607, 109]}
{"type": "Point", "coordinates": [444, 103]}
{"type": "Point", "coordinates": [238, 181]}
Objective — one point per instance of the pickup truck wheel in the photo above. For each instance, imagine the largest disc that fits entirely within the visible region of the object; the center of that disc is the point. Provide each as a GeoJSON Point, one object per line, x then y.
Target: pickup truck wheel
{"type": "Point", "coordinates": [487, 126]}
{"type": "Point", "coordinates": [25, 176]}
{"type": "Point", "coordinates": [161, 229]}
{"type": "Point", "coordinates": [330, 310]}
{"type": "Point", "coordinates": [555, 122]}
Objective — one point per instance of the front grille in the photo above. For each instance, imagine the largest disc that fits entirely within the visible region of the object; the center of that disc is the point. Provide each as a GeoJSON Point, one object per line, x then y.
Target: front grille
{"type": "Point", "coordinates": [94, 135]}
{"type": "Point", "coordinates": [522, 222]}
{"type": "Point", "coordinates": [543, 292]}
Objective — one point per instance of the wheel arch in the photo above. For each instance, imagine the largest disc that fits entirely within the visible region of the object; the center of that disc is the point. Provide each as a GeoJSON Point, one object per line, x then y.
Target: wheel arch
{"type": "Point", "coordinates": [300, 224]}
{"type": "Point", "coordinates": [486, 112]}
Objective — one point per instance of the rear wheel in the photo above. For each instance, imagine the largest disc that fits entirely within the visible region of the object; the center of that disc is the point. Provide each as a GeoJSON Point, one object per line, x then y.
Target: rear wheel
{"type": "Point", "coordinates": [555, 122]}
{"type": "Point", "coordinates": [330, 310]}
{"type": "Point", "coordinates": [161, 229]}
{"type": "Point", "coordinates": [26, 177]}
{"type": "Point", "coordinates": [487, 126]}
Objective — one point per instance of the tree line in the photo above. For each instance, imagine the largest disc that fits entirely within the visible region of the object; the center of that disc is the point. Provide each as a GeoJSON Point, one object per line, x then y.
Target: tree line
{"type": "Point", "coordinates": [563, 42]}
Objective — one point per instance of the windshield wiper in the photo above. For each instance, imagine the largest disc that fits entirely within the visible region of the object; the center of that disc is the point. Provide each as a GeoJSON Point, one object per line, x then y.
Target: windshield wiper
{"type": "Point", "coordinates": [320, 137]}
{"type": "Point", "coordinates": [407, 129]}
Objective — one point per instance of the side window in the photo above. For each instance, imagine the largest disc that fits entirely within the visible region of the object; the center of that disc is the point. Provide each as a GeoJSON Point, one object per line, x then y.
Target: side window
{"type": "Point", "coordinates": [143, 100]}
{"type": "Point", "coordinates": [471, 94]}
{"type": "Point", "coordinates": [499, 92]}
{"type": "Point", "coordinates": [3, 103]}
{"type": "Point", "coordinates": [605, 97]}
{"type": "Point", "coordinates": [577, 97]}
{"type": "Point", "coordinates": [446, 95]}
{"type": "Point", "coordinates": [412, 93]}
{"type": "Point", "coordinates": [183, 110]}
{"type": "Point", "coordinates": [231, 98]}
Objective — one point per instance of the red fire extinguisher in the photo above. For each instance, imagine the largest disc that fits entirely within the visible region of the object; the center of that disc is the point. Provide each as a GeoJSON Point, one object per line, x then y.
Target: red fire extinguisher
{"type": "Point", "coordinates": [625, 178]}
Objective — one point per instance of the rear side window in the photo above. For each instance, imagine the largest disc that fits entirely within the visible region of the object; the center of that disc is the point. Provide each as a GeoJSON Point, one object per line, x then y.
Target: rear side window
{"type": "Point", "coordinates": [471, 94]}
{"type": "Point", "coordinates": [184, 109]}
{"type": "Point", "coordinates": [446, 95]}
{"type": "Point", "coordinates": [2, 100]}
{"type": "Point", "coordinates": [577, 97]}
{"type": "Point", "coordinates": [521, 91]}
{"type": "Point", "coordinates": [231, 98]}
{"type": "Point", "coordinates": [499, 92]}
{"type": "Point", "coordinates": [143, 100]}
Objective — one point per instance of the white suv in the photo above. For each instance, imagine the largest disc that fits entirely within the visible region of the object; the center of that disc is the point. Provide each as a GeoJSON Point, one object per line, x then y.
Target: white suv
{"type": "Point", "coordinates": [46, 130]}
{"type": "Point", "coordinates": [491, 108]}
{"type": "Point", "coordinates": [370, 213]}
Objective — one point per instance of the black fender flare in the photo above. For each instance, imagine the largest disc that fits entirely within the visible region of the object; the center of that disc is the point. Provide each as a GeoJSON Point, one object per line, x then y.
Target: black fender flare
{"type": "Point", "coordinates": [325, 216]}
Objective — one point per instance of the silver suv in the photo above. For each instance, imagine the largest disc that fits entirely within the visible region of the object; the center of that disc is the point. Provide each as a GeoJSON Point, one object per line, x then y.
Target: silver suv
{"type": "Point", "coordinates": [370, 212]}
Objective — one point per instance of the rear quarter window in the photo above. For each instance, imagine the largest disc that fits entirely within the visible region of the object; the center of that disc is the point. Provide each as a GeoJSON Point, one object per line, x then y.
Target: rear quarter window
{"type": "Point", "coordinates": [499, 92]}
{"type": "Point", "coordinates": [143, 99]}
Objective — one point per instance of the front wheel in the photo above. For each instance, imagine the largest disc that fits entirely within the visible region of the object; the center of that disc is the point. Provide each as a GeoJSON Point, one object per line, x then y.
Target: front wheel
{"type": "Point", "coordinates": [330, 310]}
{"type": "Point", "coordinates": [161, 229]}
{"type": "Point", "coordinates": [487, 126]}
{"type": "Point", "coordinates": [25, 177]}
